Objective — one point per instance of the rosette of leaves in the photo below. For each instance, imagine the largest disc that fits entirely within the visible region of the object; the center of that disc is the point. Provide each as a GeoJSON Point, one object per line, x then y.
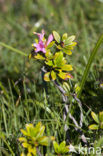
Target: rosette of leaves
{"type": "Point", "coordinates": [33, 138]}
{"type": "Point", "coordinates": [61, 149]}
{"type": "Point", "coordinates": [64, 43]}
{"type": "Point", "coordinates": [98, 118]}
{"type": "Point", "coordinates": [54, 62]}
{"type": "Point", "coordinates": [57, 66]}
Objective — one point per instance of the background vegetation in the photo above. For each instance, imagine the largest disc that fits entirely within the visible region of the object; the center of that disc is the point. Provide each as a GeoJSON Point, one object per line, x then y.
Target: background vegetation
{"type": "Point", "coordinates": [22, 96]}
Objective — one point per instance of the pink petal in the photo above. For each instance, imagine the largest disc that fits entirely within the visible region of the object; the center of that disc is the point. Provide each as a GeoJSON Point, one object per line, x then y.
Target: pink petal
{"type": "Point", "coordinates": [50, 38]}
{"type": "Point", "coordinates": [43, 50]}
{"type": "Point", "coordinates": [40, 35]}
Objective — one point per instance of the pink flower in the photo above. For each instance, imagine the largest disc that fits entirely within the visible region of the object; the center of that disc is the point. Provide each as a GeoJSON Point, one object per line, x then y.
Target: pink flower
{"type": "Point", "coordinates": [39, 47]}
{"type": "Point", "coordinates": [42, 44]}
{"type": "Point", "coordinates": [40, 35]}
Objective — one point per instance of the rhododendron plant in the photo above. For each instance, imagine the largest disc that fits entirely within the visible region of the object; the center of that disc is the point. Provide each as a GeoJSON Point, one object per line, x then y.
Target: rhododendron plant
{"type": "Point", "coordinates": [54, 59]}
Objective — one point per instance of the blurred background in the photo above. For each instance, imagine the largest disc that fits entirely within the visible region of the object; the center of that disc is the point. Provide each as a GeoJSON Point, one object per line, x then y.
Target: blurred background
{"type": "Point", "coordinates": [22, 97]}
{"type": "Point", "coordinates": [19, 18]}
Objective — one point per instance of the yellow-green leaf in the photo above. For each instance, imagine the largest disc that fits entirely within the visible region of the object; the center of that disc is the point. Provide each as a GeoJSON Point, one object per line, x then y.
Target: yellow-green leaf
{"type": "Point", "coordinates": [43, 141]}
{"type": "Point", "coordinates": [29, 154]}
{"type": "Point", "coordinates": [93, 127]}
{"type": "Point", "coordinates": [47, 76]}
{"type": "Point", "coordinates": [39, 57]}
{"type": "Point", "coordinates": [49, 63]}
{"type": "Point", "coordinates": [56, 146]}
{"type": "Point", "coordinates": [48, 55]}
{"type": "Point", "coordinates": [95, 117]}
{"type": "Point", "coordinates": [22, 154]}
{"type": "Point", "coordinates": [69, 39]}
{"type": "Point", "coordinates": [65, 76]}
{"type": "Point", "coordinates": [67, 67]}
{"type": "Point", "coordinates": [68, 52]}
{"type": "Point", "coordinates": [101, 116]}
{"type": "Point", "coordinates": [101, 125]}
{"type": "Point", "coordinates": [22, 139]}
{"type": "Point", "coordinates": [32, 150]}
{"type": "Point", "coordinates": [50, 44]}
{"type": "Point", "coordinates": [24, 132]}
{"type": "Point", "coordinates": [64, 37]}
{"type": "Point", "coordinates": [56, 36]}
{"type": "Point", "coordinates": [53, 75]}
{"type": "Point", "coordinates": [58, 58]}
{"type": "Point", "coordinates": [25, 145]}
{"type": "Point", "coordinates": [41, 131]}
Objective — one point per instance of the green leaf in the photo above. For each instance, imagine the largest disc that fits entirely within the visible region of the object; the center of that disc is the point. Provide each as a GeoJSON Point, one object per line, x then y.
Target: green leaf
{"type": "Point", "coordinates": [66, 149]}
{"type": "Point", "coordinates": [32, 150]}
{"type": "Point", "coordinates": [59, 47]}
{"type": "Point", "coordinates": [101, 125]}
{"type": "Point", "coordinates": [101, 116]}
{"type": "Point", "coordinates": [48, 54]}
{"type": "Point", "coordinates": [50, 44]}
{"type": "Point", "coordinates": [25, 145]}
{"type": "Point", "coordinates": [62, 147]}
{"type": "Point", "coordinates": [56, 146]}
{"type": "Point", "coordinates": [58, 59]}
{"type": "Point", "coordinates": [41, 132]}
{"type": "Point", "coordinates": [64, 75]}
{"type": "Point", "coordinates": [93, 127]}
{"type": "Point", "coordinates": [46, 76]}
{"type": "Point", "coordinates": [95, 117]}
{"type": "Point", "coordinates": [87, 69]}
{"type": "Point", "coordinates": [56, 36]}
{"type": "Point", "coordinates": [68, 52]}
{"type": "Point", "coordinates": [44, 141]}
{"type": "Point", "coordinates": [39, 57]}
{"type": "Point", "coordinates": [67, 67]}
{"type": "Point", "coordinates": [69, 40]}
{"type": "Point", "coordinates": [22, 139]}
{"type": "Point", "coordinates": [53, 75]}
{"type": "Point", "coordinates": [24, 132]}
{"type": "Point", "coordinates": [66, 87]}
{"type": "Point", "coordinates": [64, 37]}
{"type": "Point", "coordinates": [49, 63]}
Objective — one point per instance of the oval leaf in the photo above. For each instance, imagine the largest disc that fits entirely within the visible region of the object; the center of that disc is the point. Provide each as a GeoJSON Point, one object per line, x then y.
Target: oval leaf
{"type": "Point", "coordinates": [93, 127]}
{"type": "Point", "coordinates": [95, 117]}
{"type": "Point", "coordinates": [56, 36]}
{"type": "Point", "coordinates": [53, 75]}
{"type": "Point", "coordinates": [46, 76]}
{"type": "Point", "coordinates": [101, 116]}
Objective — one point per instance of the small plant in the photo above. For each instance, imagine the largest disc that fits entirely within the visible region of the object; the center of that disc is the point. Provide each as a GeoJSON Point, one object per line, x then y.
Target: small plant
{"type": "Point", "coordinates": [33, 138]}
{"type": "Point", "coordinates": [60, 149]}
{"type": "Point", "coordinates": [98, 118]}
{"type": "Point", "coordinates": [52, 53]}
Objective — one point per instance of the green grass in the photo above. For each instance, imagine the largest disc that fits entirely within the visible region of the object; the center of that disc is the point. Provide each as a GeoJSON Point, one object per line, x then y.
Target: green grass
{"type": "Point", "coordinates": [22, 95]}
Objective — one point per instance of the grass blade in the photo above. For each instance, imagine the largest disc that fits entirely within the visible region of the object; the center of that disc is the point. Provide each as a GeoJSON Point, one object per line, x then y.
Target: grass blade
{"type": "Point", "coordinates": [87, 69]}
{"type": "Point", "coordinates": [12, 49]}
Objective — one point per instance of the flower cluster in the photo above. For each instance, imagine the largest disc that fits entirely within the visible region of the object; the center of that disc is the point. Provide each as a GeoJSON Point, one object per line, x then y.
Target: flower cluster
{"type": "Point", "coordinates": [52, 52]}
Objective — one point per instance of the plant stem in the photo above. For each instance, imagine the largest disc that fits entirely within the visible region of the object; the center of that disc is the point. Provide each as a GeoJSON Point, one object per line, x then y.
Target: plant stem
{"type": "Point", "coordinates": [38, 152]}
{"type": "Point", "coordinates": [87, 69]}
{"type": "Point", "coordinates": [12, 49]}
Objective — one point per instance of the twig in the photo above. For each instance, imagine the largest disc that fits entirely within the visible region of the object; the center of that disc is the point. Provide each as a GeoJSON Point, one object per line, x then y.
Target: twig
{"type": "Point", "coordinates": [80, 106]}
{"type": "Point", "coordinates": [66, 110]}
{"type": "Point", "coordinates": [62, 91]}
{"type": "Point", "coordinates": [38, 152]}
